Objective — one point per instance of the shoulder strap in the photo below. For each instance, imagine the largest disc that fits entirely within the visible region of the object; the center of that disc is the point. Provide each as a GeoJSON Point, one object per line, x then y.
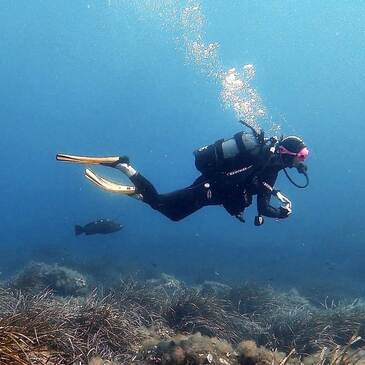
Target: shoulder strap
{"type": "Point", "coordinates": [219, 153]}
{"type": "Point", "coordinates": [241, 146]}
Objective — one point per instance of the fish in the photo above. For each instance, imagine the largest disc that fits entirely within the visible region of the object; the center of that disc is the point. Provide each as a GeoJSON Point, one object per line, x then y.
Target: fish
{"type": "Point", "coordinates": [330, 265]}
{"type": "Point", "coordinates": [101, 226]}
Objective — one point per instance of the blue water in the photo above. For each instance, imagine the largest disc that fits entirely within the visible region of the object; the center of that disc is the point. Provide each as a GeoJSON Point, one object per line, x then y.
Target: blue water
{"type": "Point", "coordinates": [108, 78]}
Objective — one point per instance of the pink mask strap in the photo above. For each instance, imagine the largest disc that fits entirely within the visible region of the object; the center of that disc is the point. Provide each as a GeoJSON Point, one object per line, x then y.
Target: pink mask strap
{"type": "Point", "coordinates": [284, 151]}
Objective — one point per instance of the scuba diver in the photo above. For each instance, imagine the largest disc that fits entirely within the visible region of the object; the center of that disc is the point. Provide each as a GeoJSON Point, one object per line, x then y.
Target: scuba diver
{"type": "Point", "coordinates": [232, 172]}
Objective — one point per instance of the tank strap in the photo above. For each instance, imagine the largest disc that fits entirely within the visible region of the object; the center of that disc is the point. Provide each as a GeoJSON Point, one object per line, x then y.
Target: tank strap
{"type": "Point", "coordinates": [219, 153]}
{"type": "Point", "coordinates": [241, 146]}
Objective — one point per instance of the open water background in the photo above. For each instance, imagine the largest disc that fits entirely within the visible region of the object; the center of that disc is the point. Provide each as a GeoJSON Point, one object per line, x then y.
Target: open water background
{"type": "Point", "coordinates": [110, 78]}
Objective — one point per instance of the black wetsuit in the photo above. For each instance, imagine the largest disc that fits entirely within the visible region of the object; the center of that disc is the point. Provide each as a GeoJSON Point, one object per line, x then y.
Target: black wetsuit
{"type": "Point", "coordinates": [232, 189]}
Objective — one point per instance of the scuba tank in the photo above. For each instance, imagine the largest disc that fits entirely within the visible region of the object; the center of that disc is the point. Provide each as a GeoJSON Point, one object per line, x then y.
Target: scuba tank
{"type": "Point", "coordinates": [231, 156]}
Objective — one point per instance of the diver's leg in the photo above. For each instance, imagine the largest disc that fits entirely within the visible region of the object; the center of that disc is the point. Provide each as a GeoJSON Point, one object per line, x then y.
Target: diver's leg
{"type": "Point", "coordinates": [175, 205]}
{"type": "Point", "coordinates": [144, 188]}
{"type": "Point", "coordinates": [181, 203]}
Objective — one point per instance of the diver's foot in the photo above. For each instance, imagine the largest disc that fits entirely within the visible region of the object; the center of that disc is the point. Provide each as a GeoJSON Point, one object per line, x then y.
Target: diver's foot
{"type": "Point", "coordinates": [137, 196]}
{"type": "Point", "coordinates": [122, 164]}
{"type": "Point", "coordinates": [125, 167]}
{"type": "Point", "coordinates": [121, 160]}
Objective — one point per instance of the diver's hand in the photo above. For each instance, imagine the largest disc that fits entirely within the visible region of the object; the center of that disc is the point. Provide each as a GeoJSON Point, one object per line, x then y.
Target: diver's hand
{"type": "Point", "coordinates": [302, 168]}
{"type": "Point", "coordinates": [285, 211]}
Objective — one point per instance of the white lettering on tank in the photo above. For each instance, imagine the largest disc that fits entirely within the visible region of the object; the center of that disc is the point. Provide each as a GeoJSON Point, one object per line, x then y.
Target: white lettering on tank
{"type": "Point", "coordinates": [230, 173]}
{"type": "Point", "coordinates": [202, 148]}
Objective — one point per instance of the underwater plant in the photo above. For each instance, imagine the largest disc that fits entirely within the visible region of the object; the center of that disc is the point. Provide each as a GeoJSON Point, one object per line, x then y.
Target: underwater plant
{"type": "Point", "coordinates": [40, 276]}
{"type": "Point", "coordinates": [65, 331]}
{"type": "Point", "coordinates": [188, 349]}
{"type": "Point", "coordinates": [336, 324]}
{"type": "Point", "coordinates": [290, 321]}
{"type": "Point", "coordinates": [190, 312]}
{"type": "Point", "coordinates": [215, 288]}
{"type": "Point", "coordinates": [27, 327]}
{"type": "Point", "coordinates": [142, 323]}
{"type": "Point", "coordinates": [98, 326]}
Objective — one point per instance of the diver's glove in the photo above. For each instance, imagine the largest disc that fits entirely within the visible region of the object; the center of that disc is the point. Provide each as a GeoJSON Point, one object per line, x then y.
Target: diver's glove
{"type": "Point", "coordinates": [284, 212]}
{"type": "Point", "coordinates": [259, 220]}
{"type": "Point", "coordinates": [286, 208]}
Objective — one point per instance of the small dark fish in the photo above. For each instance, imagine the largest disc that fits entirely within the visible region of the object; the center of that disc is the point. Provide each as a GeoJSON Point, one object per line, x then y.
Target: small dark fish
{"type": "Point", "coordinates": [102, 226]}
{"type": "Point", "coordinates": [330, 265]}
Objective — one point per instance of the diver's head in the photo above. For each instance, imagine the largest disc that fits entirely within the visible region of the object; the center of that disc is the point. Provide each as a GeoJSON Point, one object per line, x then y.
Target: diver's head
{"type": "Point", "coordinates": [293, 152]}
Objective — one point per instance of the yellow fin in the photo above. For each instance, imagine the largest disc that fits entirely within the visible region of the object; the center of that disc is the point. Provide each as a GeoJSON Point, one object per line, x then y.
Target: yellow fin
{"type": "Point", "coordinates": [86, 159]}
{"type": "Point", "coordinates": [107, 185]}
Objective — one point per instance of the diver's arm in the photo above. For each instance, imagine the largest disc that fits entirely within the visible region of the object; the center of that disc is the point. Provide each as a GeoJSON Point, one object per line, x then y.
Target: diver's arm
{"type": "Point", "coordinates": [264, 207]}
{"type": "Point", "coordinates": [264, 196]}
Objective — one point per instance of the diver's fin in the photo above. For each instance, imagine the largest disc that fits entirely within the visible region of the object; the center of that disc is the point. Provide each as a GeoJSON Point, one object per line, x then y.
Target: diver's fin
{"type": "Point", "coordinates": [107, 185]}
{"type": "Point", "coordinates": [87, 159]}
